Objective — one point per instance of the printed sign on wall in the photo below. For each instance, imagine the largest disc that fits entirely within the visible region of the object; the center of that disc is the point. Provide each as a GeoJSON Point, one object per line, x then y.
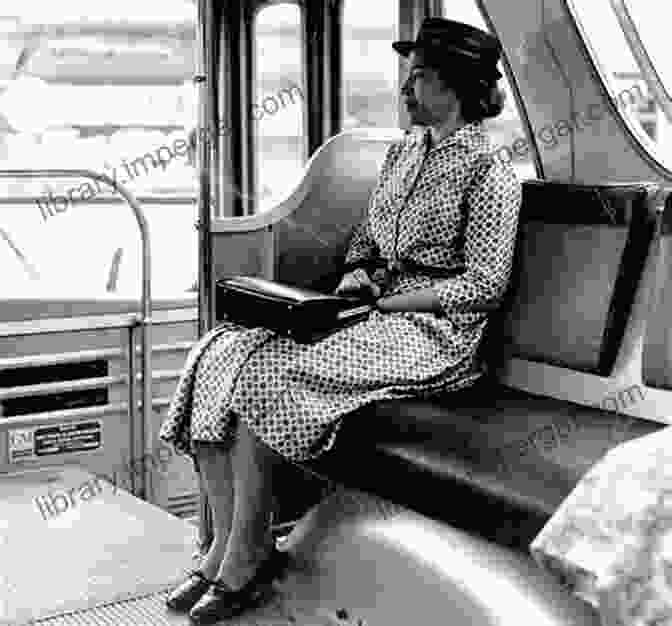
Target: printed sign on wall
{"type": "Point", "coordinates": [29, 444]}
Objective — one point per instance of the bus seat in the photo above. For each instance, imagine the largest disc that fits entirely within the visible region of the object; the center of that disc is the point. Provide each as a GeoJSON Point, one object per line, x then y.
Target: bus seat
{"type": "Point", "coordinates": [303, 239]}
{"type": "Point", "coordinates": [580, 254]}
{"type": "Point", "coordinates": [492, 459]}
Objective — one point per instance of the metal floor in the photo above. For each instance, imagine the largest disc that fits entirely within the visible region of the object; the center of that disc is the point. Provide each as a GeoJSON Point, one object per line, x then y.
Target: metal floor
{"type": "Point", "coordinates": [356, 561]}
{"type": "Point", "coordinates": [70, 541]}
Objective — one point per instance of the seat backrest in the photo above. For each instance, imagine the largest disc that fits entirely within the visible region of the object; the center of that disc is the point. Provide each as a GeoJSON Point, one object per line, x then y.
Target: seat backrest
{"type": "Point", "coordinates": [312, 241]}
{"type": "Point", "coordinates": [581, 252]}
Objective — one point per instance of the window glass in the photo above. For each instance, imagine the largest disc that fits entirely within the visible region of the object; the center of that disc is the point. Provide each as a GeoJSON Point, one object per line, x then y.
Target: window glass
{"type": "Point", "coordinates": [370, 66]}
{"type": "Point", "coordinates": [612, 53]}
{"type": "Point", "coordinates": [105, 87]}
{"type": "Point", "coordinates": [279, 104]}
{"type": "Point", "coordinates": [507, 127]}
{"type": "Point", "coordinates": [654, 34]}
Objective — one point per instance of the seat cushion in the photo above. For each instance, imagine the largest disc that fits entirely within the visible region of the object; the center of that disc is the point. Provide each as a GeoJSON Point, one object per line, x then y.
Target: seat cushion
{"type": "Point", "coordinates": [460, 457]}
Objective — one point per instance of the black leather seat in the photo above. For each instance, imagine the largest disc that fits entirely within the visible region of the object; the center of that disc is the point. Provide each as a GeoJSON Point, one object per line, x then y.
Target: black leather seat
{"type": "Point", "coordinates": [492, 459]}
{"type": "Point", "coordinates": [500, 460]}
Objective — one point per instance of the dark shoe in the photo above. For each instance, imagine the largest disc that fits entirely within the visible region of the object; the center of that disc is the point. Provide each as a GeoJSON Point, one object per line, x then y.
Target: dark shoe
{"type": "Point", "coordinates": [220, 602]}
{"type": "Point", "coordinates": [189, 592]}
{"type": "Point", "coordinates": [273, 568]}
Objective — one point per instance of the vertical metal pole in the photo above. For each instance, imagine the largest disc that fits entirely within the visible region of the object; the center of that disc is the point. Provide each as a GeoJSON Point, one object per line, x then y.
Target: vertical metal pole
{"type": "Point", "coordinates": [132, 403]}
{"type": "Point", "coordinates": [206, 135]}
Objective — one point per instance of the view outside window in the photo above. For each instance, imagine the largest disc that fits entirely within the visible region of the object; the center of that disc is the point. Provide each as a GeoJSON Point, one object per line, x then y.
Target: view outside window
{"type": "Point", "coordinates": [106, 87]}
{"type": "Point", "coordinates": [279, 104]}
{"type": "Point", "coordinates": [507, 127]}
{"type": "Point", "coordinates": [370, 65]}
{"type": "Point", "coordinates": [655, 35]}
{"type": "Point", "coordinates": [613, 54]}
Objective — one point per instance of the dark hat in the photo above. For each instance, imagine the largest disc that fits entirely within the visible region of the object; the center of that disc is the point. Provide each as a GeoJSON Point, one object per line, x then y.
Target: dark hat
{"type": "Point", "coordinates": [442, 40]}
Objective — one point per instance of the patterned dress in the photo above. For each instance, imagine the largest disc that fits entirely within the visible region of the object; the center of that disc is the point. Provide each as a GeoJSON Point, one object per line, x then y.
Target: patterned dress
{"type": "Point", "coordinates": [451, 205]}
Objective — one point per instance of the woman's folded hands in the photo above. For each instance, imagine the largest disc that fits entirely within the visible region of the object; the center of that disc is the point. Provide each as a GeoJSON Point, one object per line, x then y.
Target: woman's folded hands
{"type": "Point", "coordinates": [358, 283]}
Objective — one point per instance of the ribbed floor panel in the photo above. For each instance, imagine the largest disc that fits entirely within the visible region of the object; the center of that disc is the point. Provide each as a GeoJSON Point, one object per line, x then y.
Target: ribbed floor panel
{"type": "Point", "coordinates": [140, 612]}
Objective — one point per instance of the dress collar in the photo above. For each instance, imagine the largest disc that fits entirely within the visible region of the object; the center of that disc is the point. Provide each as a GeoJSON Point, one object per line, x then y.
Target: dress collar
{"type": "Point", "coordinates": [470, 136]}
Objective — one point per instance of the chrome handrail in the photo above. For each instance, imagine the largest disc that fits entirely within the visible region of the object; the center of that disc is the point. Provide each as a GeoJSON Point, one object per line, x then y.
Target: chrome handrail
{"type": "Point", "coordinates": [145, 319]}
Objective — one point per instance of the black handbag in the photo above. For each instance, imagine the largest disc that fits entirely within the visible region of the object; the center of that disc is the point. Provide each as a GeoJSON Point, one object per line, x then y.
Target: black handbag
{"type": "Point", "coordinates": [302, 314]}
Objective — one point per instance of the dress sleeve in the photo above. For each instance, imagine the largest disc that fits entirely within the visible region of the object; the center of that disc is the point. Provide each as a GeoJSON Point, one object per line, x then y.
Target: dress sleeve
{"type": "Point", "coordinates": [493, 203]}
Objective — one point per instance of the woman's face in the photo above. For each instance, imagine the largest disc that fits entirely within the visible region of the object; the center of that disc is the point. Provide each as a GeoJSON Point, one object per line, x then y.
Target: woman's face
{"type": "Point", "coordinates": [428, 101]}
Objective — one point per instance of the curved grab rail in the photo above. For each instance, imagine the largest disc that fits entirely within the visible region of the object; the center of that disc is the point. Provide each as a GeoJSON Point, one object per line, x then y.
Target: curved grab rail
{"type": "Point", "coordinates": [145, 319]}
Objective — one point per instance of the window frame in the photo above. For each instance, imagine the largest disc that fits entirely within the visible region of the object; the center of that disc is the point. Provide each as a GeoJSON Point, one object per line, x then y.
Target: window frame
{"type": "Point", "coordinates": [343, 94]}
{"type": "Point", "coordinates": [642, 58]}
{"type": "Point", "coordinates": [528, 128]}
{"type": "Point", "coordinates": [252, 200]}
{"type": "Point", "coordinates": [645, 147]}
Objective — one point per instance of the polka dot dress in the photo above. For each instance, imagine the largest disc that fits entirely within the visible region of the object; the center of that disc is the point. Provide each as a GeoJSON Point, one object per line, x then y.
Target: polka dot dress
{"type": "Point", "coordinates": [450, 205]}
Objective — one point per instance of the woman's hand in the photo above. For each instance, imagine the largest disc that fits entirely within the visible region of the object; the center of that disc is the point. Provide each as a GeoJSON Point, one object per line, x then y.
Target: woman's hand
{"type": "Point", "coordinates": [357, 283]}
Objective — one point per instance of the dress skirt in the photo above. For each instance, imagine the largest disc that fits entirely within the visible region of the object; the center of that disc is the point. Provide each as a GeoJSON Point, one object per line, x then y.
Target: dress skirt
{"type": "Point", "coordinates": [293, 396]}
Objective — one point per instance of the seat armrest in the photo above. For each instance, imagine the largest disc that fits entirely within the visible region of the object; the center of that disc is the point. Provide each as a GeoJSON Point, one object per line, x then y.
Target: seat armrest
{"type": "Point", "coordinates": [329, 156]}
{"type": "Point", "coordinates": [302, 240]}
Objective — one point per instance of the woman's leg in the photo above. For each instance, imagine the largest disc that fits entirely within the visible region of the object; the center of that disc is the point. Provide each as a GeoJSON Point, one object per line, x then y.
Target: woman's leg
{"type": "Point", "coordinates": [250, 540]}
{"type": "Point", "coordinates": [216, 477]}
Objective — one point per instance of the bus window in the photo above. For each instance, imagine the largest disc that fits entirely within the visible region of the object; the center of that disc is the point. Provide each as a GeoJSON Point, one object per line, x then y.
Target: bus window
{"type": "Point", "coordinates": [279, 103]}
{"type": "Point", "coordinates": [653, 33]}
{"type": "Point", "coordinates": [506, 130]}
{"type": "Point", "coordinates": [623, 76]}
{"type": "Point", "coordinates": [370, 66]}
{"type": "Point", "coordinates": [84, 87]}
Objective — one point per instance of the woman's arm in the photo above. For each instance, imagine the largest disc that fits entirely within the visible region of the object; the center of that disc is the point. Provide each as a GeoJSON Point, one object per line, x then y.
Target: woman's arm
{"type": "Point", "coordinates": [493, 205]}
{"type": "Point", "coordinates": [423, 300]}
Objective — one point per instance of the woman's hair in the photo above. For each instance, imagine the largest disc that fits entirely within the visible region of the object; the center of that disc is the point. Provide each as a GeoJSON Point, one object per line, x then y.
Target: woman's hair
{"type": "Point", "coordinates": [479, 99]}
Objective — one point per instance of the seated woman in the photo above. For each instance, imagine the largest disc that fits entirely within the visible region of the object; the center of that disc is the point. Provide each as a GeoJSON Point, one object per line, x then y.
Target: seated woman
{"type": "Point", "coordinates": [443, 220]}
